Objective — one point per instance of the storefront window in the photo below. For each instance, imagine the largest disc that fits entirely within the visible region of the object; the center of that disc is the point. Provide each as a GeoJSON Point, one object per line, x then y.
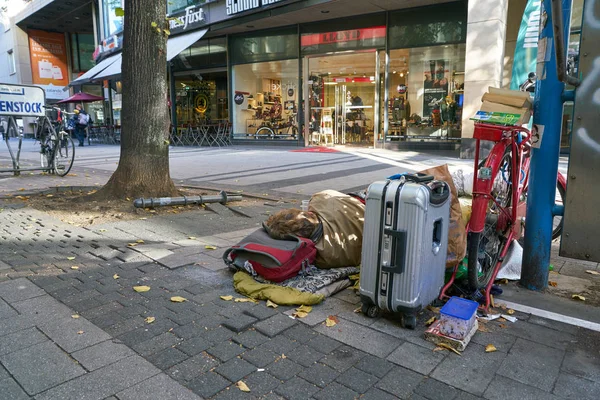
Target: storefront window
{"type": "Point", "coordinates": [112, 23]}
{"type": "Point", "coordinates": [425, 26]}
{"type": "Point", "coordinates": [265, 99]}
{"type": "Point", "coordinates": [201, 98]}
{"type": "Point", "coordinates": [426, 89]}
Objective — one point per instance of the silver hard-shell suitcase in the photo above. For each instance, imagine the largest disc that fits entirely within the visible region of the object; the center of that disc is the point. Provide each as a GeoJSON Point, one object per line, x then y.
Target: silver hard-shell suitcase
{"type": "Point", "coordinates": [405, 240]}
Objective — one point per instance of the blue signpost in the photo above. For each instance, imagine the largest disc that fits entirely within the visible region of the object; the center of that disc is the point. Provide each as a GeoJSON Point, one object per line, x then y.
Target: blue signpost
{"type": "Point", "coordinates": [547, 115]}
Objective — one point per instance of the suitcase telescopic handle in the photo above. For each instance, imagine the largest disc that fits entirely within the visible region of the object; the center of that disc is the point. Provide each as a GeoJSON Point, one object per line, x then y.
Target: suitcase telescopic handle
{"type": "Point", "coordinates": [418, 177]}
{"type": "Point", "coordinates": [399, 251]}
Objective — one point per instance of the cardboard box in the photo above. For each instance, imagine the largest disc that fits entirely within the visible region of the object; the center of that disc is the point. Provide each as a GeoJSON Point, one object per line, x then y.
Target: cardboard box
{"type": "Point", "coordinates": [508, 101]}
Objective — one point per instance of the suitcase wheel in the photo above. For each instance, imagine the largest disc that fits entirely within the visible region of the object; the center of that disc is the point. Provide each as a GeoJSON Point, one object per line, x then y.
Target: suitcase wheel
{"type": "Point", "coordinates": [409, 321]}
{"type": "Point", "coordinates": [370, 310]}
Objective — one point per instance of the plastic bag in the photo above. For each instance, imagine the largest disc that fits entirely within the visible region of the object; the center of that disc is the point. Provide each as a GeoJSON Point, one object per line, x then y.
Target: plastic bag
{"type": "Point", "coordinates": [511, 267]}
{"type": "Point", "coordinates": [462, 176]}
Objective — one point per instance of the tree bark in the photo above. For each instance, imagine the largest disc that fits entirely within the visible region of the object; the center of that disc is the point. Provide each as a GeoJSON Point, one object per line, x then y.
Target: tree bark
{"type": "Point", "coordinates": [143, 169]}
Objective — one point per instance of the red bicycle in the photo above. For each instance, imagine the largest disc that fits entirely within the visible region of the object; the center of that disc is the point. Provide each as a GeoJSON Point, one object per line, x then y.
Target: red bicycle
{"type": "Point", "coordinates": [499, 204]}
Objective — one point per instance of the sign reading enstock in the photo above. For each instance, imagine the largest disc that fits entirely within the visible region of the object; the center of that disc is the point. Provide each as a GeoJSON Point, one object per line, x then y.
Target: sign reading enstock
{"type": "Point", "coordinates": [22, 101]}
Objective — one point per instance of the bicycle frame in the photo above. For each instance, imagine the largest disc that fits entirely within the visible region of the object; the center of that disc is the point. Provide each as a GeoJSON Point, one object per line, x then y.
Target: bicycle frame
{"type": "Point", "coordinates": [503, 136]}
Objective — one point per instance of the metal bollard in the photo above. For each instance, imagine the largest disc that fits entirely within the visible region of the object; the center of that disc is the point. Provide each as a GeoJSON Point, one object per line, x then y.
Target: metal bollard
{"type": "Point", "coordinates": [222, 198]}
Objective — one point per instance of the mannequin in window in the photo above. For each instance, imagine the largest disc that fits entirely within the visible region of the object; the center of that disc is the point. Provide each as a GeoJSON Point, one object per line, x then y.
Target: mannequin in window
{"type": "Point", "coordinates": [448, 111]}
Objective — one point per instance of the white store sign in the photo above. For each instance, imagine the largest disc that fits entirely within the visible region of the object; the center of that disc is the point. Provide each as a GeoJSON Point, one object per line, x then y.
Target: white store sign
{"type": "Point", "coordinates": [22, 101]}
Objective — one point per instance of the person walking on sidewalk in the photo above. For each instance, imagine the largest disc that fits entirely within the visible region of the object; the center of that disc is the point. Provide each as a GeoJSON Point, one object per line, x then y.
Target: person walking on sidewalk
{"type": "Point", "coordinates": [82, 120]}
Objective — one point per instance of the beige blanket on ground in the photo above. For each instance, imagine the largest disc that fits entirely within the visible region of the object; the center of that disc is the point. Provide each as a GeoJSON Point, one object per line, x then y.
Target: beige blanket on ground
{"type": "Point", "coordinates": [343, 219]}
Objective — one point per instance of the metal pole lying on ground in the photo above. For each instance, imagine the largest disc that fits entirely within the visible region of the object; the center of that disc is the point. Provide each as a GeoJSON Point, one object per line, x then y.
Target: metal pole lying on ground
{"type": "Point", "coordinates": [222, 198]}
{"type": "Point", "coordinates": [547, 117]}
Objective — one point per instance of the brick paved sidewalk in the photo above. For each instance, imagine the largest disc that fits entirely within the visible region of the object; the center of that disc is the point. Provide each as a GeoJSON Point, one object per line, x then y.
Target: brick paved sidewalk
{"type": "Point", "coordinates": [200, 348]}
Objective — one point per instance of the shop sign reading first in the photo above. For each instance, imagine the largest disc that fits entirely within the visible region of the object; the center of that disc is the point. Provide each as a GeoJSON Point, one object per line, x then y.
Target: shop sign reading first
{"type": "Point", "coordinates": [238, 6]}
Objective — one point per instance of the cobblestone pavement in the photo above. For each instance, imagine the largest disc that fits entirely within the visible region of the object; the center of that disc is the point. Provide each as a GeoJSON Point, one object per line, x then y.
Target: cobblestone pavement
{"type": "Point", "coordinates": [200, 348]}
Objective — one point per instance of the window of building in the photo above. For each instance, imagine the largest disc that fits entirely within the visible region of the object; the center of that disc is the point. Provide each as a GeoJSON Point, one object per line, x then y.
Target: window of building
{"type": "Point", "coordinates": [265, 100]}
{"type": "Point", "coordinates": [208, 53]}
{"type": "Point", "coordinates": [112, 23]}
{"type": "Point", "coordinates": [12, 66]}
{"type": "Point", "coordinates": [425, 26]}
{"type": "Point", "coordinates": [279, 44]}
{"type": "Point", "coordinates": [426, 89]}
{"type": "Point", "coordinates": [174, 6]}
{"type": "Point", "coordinates": [82, 50]}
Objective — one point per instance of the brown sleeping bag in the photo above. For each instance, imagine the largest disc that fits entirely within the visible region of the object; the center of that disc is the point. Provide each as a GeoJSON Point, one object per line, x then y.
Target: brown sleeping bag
{"type": "Point", "coordinates": [342, 217]}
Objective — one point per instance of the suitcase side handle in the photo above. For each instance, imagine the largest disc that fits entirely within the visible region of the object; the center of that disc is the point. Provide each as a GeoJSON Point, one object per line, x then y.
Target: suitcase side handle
{"type": "Point", "coordinates": [399, 253]}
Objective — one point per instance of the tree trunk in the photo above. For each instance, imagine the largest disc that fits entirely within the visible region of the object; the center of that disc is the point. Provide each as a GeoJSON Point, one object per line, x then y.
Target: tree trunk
{"type": "Point", "coordinates": [143, 169]}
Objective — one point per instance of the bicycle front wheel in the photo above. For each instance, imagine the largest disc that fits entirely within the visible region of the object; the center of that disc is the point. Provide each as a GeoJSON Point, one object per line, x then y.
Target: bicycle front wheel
{"type": "Point", "coordinates": [484, 247]}
{"type": "Point", "coordinates": [64, 155]}
{"type": "Point", "coordinates": [265, 131]}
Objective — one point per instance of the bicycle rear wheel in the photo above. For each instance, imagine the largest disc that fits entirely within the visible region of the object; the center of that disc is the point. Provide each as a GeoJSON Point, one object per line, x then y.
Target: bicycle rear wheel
{"type": "Point", "coordinates": [484, 247]}
{"type": "Point", "coordinates": [64, 155]}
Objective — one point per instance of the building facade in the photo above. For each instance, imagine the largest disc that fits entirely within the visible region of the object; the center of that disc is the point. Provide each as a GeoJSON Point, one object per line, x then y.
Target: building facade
{"type": "Point", "coordinates": [395, 74]}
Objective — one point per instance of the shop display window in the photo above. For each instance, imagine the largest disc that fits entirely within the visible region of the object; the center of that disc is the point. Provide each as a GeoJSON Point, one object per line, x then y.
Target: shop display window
{"type": "Point", "coordinates": [426, 91]}
{"type": "Point", "coordinates": [265, 100]}
{"type": "Point", "coordinates": [201, 98]}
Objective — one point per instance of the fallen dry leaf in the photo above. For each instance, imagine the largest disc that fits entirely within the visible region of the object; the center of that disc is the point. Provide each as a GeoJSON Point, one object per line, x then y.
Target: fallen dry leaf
{"type": "Point", "coordinates": [101, 230]}
{"type": "Point", "coordinates": [503, 281]}
{"type": "Point", "coordinates": [430, 321]}
{"type": "Point", "coordinates": [74, 316]}
{"type": "Point", "coordinates": [116, 276]}
{"type": "Point", "coordinates": [150, 320]}
{"type": "Point", "coordinates": [578, 297]}
{"type": "Point", "coordinates": [209, 247]}
{"type": "Point", "coordinates": [438, 348]}
{"type": "Point", "coordinates": [433, 309]}
{"type": "Point", "coordinates": [305, 309]}
{"type": "Point", "coordinates": [592, 272]}
{"type": "Point", "coordinates": [242, 386]}
{"type": "Point", "coordinates": [192, 237]}
{"type": "Point", "coordinates": [490, 348]}
{"type": "Point", "coordinates": [300, 314]}
{"type": "Point", "coordinates": [482, 328]}
{"type": "Point", "coordinates": [448, 347]}
{"type": "Point", "coordinates": [80, 332]}
{"type": "Point", "coordinates": [226, 298]}
{"type": "Point", "coordinates": [74, 267]}
{"type": "Point", "coordinates": [271, 304]}
{"type": "Point", "coordinates": [132, 244]}
{"type": "Point", "coordinates": [178, 299]}
{"type": "Point", "coordinates": [502, 326]}
{"type": "Point", "coordinates": [245, 300]}
{"type": "Point", "coordinates": [332, 320]}
{"type": "Point", "coordinates": [141, 289]}
{"type": "Point", "coordinates": [283, 356]}
{"type": "Point", "coordinates": [510, 311]}
{"type": "Point", "coordinates": [552, 283]}
{"type": "Point", "coordinates": [139, 241]}
{"type": "Point", "coordinates": [70, 258]}
{"type": "Point", "coordinates": [358, 310]}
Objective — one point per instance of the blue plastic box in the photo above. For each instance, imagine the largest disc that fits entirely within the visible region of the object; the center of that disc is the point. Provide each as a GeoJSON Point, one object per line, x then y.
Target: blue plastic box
{"type": "Point", "coordinates": [457, 317]}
